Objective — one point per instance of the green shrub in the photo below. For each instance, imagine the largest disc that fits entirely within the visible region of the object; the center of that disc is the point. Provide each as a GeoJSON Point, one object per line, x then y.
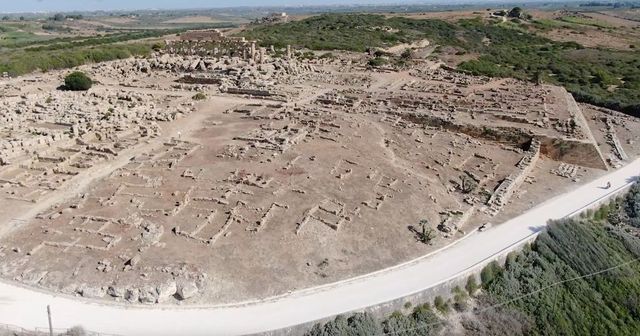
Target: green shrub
{"type": "Point", "coordinates": [77, 81]}
{"type": "Point", "coordinates": [441, 305]}
{"type": "Point", "coordinates": [472, 285]}
{"type": "Point", "coordinates": [631, 205]}
{"type": "Point", "coordinates": [377, 62]}
{"type": "Point", "coordinates": [407, 54]}
{"type": "Point", "coordinates": [158, 46]}
{"type": "Point", "coordinates": [357, 324]}
{"type": "Point", "coordinates": [460, 299]}
{"type": "Point", "coordinates": [490, 272]}
{"type": "Point", "coordinates": [199, 96]}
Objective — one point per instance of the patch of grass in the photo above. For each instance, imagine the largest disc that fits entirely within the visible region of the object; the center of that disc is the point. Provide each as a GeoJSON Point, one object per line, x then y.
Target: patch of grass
{"type": "Point", "coordinates": [586, 21]}
{"type": "Point", "coordinates": [15, 38]}
{"type": "Point", "coordinates": [547, 24]}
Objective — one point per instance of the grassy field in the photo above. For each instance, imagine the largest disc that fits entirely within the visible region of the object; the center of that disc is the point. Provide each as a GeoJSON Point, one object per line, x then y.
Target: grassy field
{"type": "Point", "coordinates": [586, 21]}
{"type": "Point", "coordinates": [26, 54]}
{"type": "Point", "coordinates": [13, 35]}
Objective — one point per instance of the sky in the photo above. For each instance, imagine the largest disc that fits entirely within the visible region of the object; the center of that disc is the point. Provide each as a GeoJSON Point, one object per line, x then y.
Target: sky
{"type": "Point", "coordinates": [92, 5]}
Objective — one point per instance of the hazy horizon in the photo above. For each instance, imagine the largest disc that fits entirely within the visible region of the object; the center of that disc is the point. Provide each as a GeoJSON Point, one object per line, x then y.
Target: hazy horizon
{"type": "Point", "coordinates": [26, 6]}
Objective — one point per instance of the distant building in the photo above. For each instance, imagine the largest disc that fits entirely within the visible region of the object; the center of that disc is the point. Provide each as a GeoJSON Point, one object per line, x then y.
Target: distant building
{"type": "Point", "coordinates": [273, 18]}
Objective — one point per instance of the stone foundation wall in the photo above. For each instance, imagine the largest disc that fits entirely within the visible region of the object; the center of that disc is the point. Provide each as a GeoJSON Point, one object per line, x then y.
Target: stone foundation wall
{"type": "Point", "coordinates": [575, 152]}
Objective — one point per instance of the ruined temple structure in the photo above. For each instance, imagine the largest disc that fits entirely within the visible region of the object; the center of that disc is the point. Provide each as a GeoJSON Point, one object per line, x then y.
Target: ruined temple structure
{"type": "Point", "coordinates": [213, 42]}
{"type": "Point", "coordinates": [207, 171]}
{"type": "Point", "coordinates": [208, 35]}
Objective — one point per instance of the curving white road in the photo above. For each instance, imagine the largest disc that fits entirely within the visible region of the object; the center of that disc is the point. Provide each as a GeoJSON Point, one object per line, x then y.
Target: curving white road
{"type": "Point", "coordinates": [27, 307]}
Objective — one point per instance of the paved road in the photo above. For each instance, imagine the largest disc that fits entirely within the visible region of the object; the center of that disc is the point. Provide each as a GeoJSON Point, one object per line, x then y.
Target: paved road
{"type": "Point", "coordinates": [26, 307]}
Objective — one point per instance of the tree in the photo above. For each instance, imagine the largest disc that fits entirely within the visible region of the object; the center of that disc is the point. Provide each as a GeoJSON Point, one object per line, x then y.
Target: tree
{"type": "Point", "coordinates": [472, 285]}
{"type": "Point", "coordinates": [490, 272]}
{"type": "Point", "coordinates": [77, 81]}
{"type": "Point", "coordinates": [363, 324]}
{"type": "Point", "coordinates": [359, 324]}
{"type": "Point", "coordinates": [516, 12]}
{"type": "Point", "coordinates": [426, 234]}
{"type": "Point", "coordinates": [400, 325]}
{"type": "Point", "coordinates": [59, 17]}
{"type": "Point", "coordinates": [631, 205]}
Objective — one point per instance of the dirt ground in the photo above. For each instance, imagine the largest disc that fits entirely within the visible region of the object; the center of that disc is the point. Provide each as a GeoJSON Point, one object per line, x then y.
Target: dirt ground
{"type": "Point", "coordinates": [238, 198]}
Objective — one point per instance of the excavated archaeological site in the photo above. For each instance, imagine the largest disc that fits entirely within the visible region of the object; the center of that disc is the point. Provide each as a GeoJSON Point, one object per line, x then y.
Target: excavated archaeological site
{"type": "Point", "coordinates": [290, 174]}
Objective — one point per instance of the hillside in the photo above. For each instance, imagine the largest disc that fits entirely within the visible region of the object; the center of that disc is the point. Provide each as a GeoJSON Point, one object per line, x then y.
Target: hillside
{"type": "Point", "coordinates": [600, 76]}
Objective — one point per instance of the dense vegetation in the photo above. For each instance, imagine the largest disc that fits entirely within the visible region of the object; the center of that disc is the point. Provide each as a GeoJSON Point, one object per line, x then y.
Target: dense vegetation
{"type": "Point", "coordinates": [602, 77]}
{"type": "Point", "coordinates": [354, 32]}
{"type": "Point", "coordinates": [421, 322]}
{"type": "Point", "coordinates": [100, 40]}
{"type": "Point", "coordinates": [580, 277]}
{"type": "Point", "coordinates": [19, 62]}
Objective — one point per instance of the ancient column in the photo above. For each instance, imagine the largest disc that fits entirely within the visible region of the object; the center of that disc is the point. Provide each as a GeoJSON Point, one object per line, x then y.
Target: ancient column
{"type": "Point", "coordinates": [261, 56]}
{"type": "Point", "coordinates": [253, 51]}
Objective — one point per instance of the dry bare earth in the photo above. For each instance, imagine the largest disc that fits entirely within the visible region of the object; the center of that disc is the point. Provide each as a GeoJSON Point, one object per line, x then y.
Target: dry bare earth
{"type": "Point", "coordinates": [264, 197]}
